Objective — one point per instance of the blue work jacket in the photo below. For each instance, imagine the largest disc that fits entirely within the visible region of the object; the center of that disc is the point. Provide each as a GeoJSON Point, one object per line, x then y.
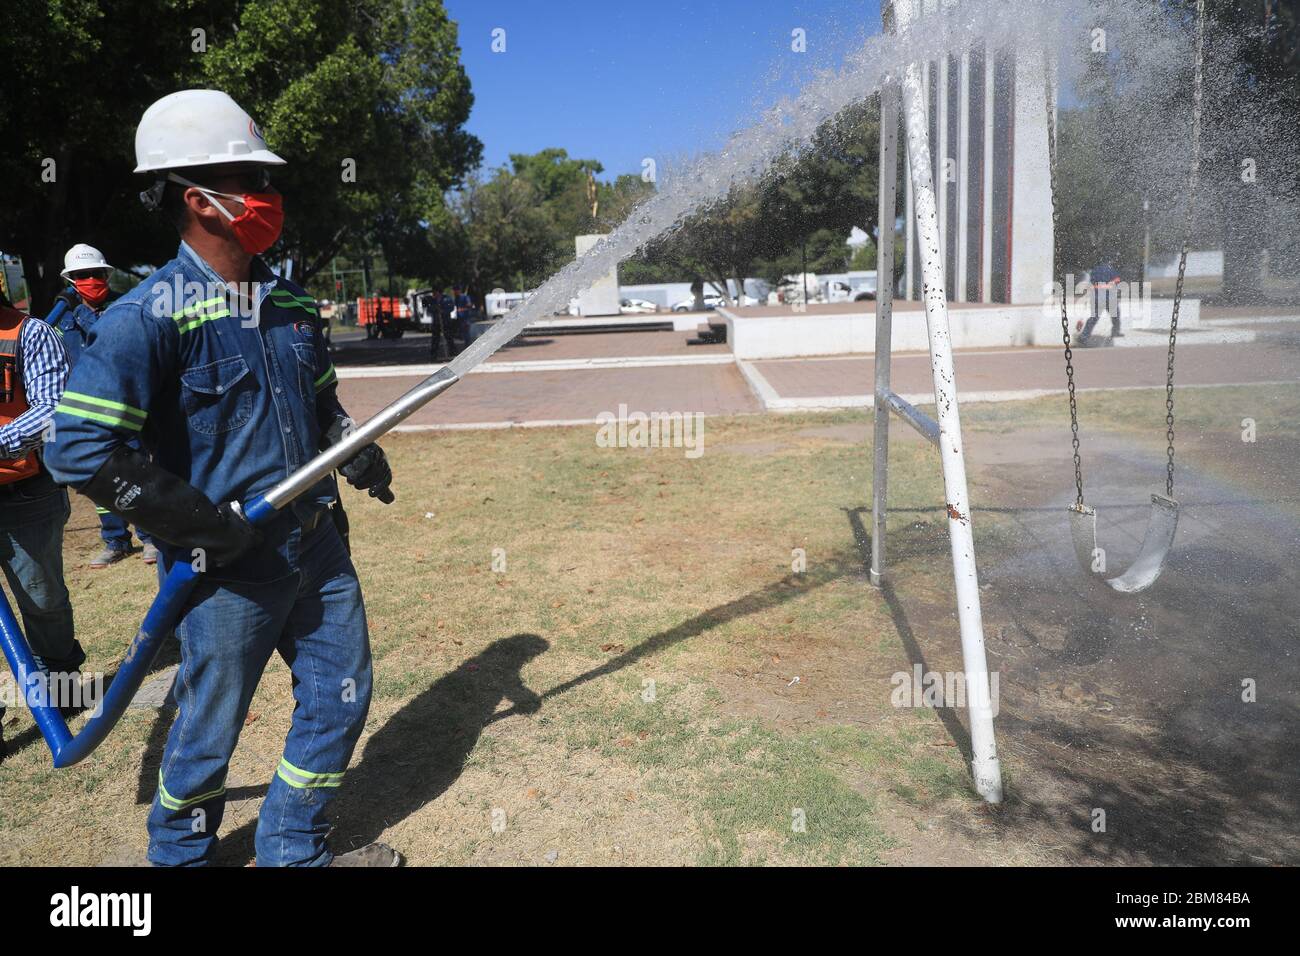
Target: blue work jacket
{"type": "Point", "coordinates": [230, 393]}
{"type": "Point", "coordinates": [74, 329]}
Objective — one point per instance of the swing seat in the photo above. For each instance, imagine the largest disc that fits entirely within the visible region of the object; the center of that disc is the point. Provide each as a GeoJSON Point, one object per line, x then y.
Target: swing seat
{"type": "Point", "coordinates": [1156, 543]}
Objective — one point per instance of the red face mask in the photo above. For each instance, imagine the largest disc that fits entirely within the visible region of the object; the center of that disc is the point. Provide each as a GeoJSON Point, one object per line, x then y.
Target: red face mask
{"type": "Point", "coordinates": [259, 225]}
{"type": "Point", "coordinates": [93, 291]}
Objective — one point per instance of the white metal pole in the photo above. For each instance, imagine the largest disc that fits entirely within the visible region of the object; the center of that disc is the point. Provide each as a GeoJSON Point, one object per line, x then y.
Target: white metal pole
{"type": "Point", "coordinates": [887, 211]}
{"type": "Point", "coordinates": [984, 765]}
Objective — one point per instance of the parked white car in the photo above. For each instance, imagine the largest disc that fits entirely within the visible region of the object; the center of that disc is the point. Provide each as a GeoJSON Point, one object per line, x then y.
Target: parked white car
{"type": "Point", "coordinates": [636, 306]}
{"type": "Point", "coordinates": [838, 290]}
{"type": "Point", "coordinates": [791, 288]}
{"type": "Point", "coordinates": [711, 302]}
{"type": "Point", "coordinates": [498, 302]}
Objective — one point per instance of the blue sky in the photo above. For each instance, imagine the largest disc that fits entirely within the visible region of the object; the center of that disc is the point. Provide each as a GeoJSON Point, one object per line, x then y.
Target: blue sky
{"type": "Point", "coordinates": [619, 80]}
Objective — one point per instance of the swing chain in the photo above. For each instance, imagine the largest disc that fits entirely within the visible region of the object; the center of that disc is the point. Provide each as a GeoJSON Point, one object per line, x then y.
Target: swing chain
{"type": "Point", "coordinates": [1192, 184]}
{"type": "Point", "coordinates": [1065, 313]}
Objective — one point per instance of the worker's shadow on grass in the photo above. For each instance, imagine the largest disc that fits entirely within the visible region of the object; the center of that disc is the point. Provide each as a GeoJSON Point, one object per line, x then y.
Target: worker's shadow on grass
{"type": "Point", "coordinates": [420, 751]}
{"type": "Point", "coordinates": [12, 746]}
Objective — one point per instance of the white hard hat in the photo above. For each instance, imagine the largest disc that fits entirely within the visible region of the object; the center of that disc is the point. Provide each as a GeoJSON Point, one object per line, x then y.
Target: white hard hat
{"type": "Point", "coordinates": [82, 256]}
{"type": "Point", "coordinates": [198, 128]}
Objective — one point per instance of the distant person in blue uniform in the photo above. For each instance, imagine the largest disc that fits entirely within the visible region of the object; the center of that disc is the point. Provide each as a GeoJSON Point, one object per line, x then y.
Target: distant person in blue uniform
{"type": "Point", "coordinates": [85, 267]}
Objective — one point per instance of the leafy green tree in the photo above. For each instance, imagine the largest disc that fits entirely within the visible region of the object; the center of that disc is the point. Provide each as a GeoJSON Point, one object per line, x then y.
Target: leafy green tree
{"type": "Point", "coordinates": [561, 185]}
{"type": "Point", "coordinates": [1101, 221]}
{"type": "Point", "coordinates": [1127, 141]}
{"type": "Point", "coordinates": [808, 204]}
{"type": "Point", "coordinates": [515, 226]}
{"type": "Point", "coordinates": [502, 231]}
{"type": "Point", "coordinates": [375, 82]}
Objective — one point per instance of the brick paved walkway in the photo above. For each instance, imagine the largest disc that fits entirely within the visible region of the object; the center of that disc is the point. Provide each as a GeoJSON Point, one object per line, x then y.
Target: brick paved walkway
{"type": "Point", "coordinates": [562, 396]}
{"type": "Point", "coordinates": [582, 394]}
{"type": "Point", "coordinates": [1036, 369]}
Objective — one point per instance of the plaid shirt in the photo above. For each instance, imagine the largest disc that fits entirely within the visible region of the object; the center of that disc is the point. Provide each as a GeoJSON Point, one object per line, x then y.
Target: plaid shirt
{"type": "Point", "coordinates": [44, 373]}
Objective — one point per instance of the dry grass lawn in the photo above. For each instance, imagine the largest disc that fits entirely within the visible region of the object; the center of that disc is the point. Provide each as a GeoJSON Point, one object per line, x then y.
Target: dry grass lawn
{"type": "Point", "coordinates": [643, 678]}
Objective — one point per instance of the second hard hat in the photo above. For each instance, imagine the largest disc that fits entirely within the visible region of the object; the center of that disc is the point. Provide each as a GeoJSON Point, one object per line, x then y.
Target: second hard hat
{"type": "Point", "coordinates": [82, 256]}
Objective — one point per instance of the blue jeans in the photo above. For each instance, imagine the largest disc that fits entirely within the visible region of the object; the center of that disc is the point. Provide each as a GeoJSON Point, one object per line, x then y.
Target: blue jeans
{"type": "Point", "coordinates": [116, 532]}
{"type": "Point", "coordinates": [315, 619]}
{"type": "Point", "coordinates": [1111, 304]}
{"type": "Point", "coordinates": [32, 515]}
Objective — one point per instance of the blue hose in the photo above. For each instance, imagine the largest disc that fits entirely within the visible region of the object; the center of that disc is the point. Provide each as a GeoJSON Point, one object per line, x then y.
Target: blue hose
{"type": "Point", "coordinates": [179, 583]}
{"type": "Point", "coordinates": [161, 620]}
{"type": "Point", "coordinates": [56, 313]}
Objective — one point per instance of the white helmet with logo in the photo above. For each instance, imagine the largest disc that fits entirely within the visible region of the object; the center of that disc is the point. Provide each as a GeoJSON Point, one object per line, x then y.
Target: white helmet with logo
{"type": "Point", "coordinates": [198, 128]}
{"type": "Point", "coordinates": [82, 256]}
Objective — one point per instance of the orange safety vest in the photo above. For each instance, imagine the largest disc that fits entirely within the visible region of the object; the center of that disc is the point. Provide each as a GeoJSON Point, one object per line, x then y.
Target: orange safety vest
{"type": "Point", "coordinates": [13, 398]}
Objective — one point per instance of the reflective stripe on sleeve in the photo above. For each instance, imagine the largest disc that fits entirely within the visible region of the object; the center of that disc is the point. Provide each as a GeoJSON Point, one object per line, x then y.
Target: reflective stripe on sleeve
{"type": "Point", "coordinates": [328, 379]}
{"type": "Point", "coordinates": [114, 414]}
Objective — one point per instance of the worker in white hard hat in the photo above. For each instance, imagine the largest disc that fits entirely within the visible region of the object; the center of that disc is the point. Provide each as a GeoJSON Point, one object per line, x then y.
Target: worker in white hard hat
{"type": "Point", "coordinates": [219, 366]}
{"type": "Point", "coordinates": [88, 294]}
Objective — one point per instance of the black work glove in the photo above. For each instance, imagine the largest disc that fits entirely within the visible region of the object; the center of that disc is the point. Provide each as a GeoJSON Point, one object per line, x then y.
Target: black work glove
{"type": "Point", "coordinates": [229, 538]}
{"type": "Point", "coordinates": [169, 508]}
{"type": "Point", "coordinates": [367, 469]}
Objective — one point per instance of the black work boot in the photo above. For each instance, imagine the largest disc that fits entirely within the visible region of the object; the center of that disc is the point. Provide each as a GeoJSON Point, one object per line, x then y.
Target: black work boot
{"type": "Point", "coordinates": [109, 556]}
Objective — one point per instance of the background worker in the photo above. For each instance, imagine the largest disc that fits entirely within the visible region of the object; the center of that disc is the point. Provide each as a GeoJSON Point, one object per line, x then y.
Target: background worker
{"type": "Point", "coordinates": [447, 308]}
{"type": "Point", "coordinates": [440, 337]}
{"type": "Point", "coordinates": [465, 314]}
{"type": "Point", "coordinates": [1106, 288]}
{"type": "Point", "coordinates": [84, 266]}
{"type": "Point", "coordinates": [33, 509]}
{"type": "Point", "coordinates": [231, 390]}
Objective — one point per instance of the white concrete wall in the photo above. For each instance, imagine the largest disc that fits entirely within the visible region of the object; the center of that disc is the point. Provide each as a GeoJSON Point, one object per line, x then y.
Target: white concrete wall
{"type": "Point", "coordinates": [1031, 191]}
{"type": "Point", "coordinates": [1201, 264]}
{"type": "Point", "coordinates": [601, 298]}
{"type": "Point", "coordinates": [1030, 213]}
{"type": "Point", "coordinates": [993, 326]}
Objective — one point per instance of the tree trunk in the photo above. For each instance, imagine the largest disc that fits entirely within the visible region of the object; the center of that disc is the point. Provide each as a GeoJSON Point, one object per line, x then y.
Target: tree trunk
{"type": "Point", "coordinates": [1242, 245]}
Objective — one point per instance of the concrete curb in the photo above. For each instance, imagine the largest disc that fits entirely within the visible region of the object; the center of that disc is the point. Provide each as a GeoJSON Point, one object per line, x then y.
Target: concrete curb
{"type": "Point", "coordinates": [533, 423]}
{"type": "Point", "coordinates": [549, 365]}
{"type": "Point", "coordinates": [1252, 320]}
{"type": "Point", "coordinates": [826, 403]}
{"type": "Point", "coordinates": [1149, 339]}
